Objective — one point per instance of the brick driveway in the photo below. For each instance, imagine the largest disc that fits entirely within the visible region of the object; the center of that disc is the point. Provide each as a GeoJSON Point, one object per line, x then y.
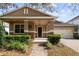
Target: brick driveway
{"type": "Point", "coordinates": [72, 43]}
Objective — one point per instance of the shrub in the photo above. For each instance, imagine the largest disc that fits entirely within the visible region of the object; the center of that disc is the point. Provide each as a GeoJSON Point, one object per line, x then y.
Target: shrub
{"type": "Point", "coordinates": [17, 42]}
{"type": "Point", "coordinates": [49, 45]}
{"type": "Point", "coordinates": [54, 39]}
{"type": "Point", "coordinates": [8, 38]}
{"type": "Point", "coordinates": [17, 45]}
{"type": "Point", "coordinates": [6, 32]}
{"type": "Point", "coordinates": [76, 36]}
{"type": "Point", "coordinates": [21, 38]}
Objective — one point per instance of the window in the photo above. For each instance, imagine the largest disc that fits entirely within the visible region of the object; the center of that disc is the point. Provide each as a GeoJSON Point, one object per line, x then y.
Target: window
{"type": "Point", "coordinates": [19, 28]}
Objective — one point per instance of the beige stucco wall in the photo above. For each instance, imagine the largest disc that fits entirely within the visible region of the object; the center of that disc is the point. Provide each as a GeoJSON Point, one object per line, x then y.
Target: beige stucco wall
{"type": "Point", "coordinates": [65, 31]}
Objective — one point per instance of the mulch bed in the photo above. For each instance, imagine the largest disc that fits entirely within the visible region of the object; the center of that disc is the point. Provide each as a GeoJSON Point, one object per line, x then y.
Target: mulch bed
{"type": "Point", "coordinates": [5, 52]}
{"type": "Point", "coordinates": [61, 50]}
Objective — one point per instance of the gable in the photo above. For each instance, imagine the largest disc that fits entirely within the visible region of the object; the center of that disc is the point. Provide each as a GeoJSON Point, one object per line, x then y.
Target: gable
{"type": "Point", "coordinates": [26, 11]}
{"type": "Point", "coordinates": [58, 23]}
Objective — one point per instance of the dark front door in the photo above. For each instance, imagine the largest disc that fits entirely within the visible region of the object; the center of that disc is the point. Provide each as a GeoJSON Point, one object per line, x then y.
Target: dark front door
{"type": "Point", "coordinates": [39, 31]}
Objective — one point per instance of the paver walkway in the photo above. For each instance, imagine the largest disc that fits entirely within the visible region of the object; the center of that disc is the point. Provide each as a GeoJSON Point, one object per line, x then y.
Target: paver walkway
{"type": "Point", "coordinates": [72, 43]}
{"type": "Point", "coordinates": [38, 50]}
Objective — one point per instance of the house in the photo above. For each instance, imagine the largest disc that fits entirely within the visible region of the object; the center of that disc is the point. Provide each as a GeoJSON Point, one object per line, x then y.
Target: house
{"type": "Point", "coordinates": [66, 30]}
{"type": "Point", "coordinates": [26, 20]}
{"type": "Point", "coordinates": [75, 21]}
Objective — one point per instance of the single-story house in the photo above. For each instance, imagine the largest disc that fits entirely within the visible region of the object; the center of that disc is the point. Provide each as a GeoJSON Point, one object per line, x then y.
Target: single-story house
{"type": "Point", "coordinates": [26, 20]}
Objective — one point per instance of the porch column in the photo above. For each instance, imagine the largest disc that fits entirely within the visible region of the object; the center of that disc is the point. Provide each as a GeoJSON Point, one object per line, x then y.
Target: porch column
{"type": "Point", "coordinates": [34, 31]}
{"type": "Point", "coordinates": [26, 26]}
{"type": "Point", "coordinates": [51, 27]}
{"type": "Point", "coordinates": [11, 28]}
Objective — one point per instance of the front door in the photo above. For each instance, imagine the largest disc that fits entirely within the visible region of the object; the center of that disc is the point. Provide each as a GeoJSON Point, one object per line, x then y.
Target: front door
{"type": "Point", "coordinates": [39, 31]}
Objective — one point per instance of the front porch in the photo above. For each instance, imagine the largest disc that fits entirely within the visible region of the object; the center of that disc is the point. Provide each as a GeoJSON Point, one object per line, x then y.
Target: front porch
{"type": "Point", "coordinates": [37, 28]}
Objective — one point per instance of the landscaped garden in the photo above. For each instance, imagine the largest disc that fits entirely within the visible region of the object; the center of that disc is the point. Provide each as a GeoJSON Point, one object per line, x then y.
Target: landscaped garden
{"type": "Point", "coordinates": [21, 45]}
{"type": "Point", "coordinates": [14, 44]}
{"type": "Point", "coordinates": [55, 48]}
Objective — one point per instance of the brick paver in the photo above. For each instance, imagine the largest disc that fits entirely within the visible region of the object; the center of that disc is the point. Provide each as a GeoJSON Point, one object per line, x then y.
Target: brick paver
{"type": "Point", "coordinates": [38, 50]}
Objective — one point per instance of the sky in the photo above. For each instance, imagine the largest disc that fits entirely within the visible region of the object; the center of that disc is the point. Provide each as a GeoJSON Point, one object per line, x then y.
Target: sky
{"type": "Point", "coordinates": [64, 13]}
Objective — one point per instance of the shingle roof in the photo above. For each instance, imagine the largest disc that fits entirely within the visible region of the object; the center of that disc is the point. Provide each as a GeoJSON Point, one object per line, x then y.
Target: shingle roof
{"type": "Point", "coordinates": [72, 19]}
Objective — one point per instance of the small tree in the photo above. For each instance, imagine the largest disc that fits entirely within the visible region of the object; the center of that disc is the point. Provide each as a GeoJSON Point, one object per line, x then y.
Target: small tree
{"type": "Point", "coordinates": [2, 33]}
{"type": "Point", "coordinates": [2, 30]}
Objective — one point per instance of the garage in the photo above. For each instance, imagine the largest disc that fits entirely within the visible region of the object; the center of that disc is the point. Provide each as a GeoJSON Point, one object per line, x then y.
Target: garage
{"type": "Point", "coordinates": [65, 30]}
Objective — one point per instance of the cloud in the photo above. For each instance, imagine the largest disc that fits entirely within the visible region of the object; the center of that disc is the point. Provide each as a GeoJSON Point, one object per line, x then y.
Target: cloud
{"type": "Point", "coordinates": [62, 11]}
{"type": "Point", "coordinates": [54, 5]}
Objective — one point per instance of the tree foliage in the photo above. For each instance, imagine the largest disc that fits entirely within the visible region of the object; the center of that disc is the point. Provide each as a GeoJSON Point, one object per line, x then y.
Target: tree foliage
{"type": "Point", "coordinates": [2, 30]}
{"type": "Point", "coordinates": [41, 6]}
{"type": "Point", "coordinates": [6, 6]}
{"type": "Point", "coordinates": [54, 7]}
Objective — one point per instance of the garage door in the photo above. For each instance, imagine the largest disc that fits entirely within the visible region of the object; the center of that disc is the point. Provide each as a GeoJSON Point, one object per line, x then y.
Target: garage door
{"type": "Point", "coordinates": [66, 32]}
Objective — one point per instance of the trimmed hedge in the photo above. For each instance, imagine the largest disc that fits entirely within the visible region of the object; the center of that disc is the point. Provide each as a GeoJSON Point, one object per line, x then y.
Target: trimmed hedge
{"type": "Point", "coordinates": [21, 38]}
{"type": "Point", "coordinates": [54, 39]}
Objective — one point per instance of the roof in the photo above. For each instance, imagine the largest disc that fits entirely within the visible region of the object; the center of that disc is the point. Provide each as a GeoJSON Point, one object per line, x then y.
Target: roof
{"type": "Point", "coordinates": [58, 23]}
{"type": "Point", "coordinates": [72, 19]}
{"type": "Point", "coordinates": [30, 8]}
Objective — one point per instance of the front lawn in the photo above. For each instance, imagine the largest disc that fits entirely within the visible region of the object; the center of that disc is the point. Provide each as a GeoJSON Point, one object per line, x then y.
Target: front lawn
{"type": "Point", "coordinates": [61, 50]}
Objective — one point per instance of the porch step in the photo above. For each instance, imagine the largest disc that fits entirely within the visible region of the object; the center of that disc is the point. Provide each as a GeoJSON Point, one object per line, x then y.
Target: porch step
{"type": "Point", "coordinates": [39, 40]}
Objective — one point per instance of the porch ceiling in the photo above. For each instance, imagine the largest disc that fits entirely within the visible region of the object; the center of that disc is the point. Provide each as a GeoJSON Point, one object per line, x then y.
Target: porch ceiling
{"type": "Point", "coordinates": [36, 20]}
{"type": "Point", "coordinates": [30, 17]}
{"type": "Point", "coordinates": [40, 22]}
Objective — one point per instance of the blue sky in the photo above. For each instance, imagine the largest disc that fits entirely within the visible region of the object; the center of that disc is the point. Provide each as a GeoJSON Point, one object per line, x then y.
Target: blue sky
{"type": "Point", "coordinates": [64, 11]}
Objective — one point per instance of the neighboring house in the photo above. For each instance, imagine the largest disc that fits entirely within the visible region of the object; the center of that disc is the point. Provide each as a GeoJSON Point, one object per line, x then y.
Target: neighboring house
{"type": "Point", "coordinates": [6, 25]}
{"type": "Point", "coordinates": [66, 30]}
{"type": "Point", "coordinates": [75, 21]}
{"type": "Point", "coordinates": [27, 20]}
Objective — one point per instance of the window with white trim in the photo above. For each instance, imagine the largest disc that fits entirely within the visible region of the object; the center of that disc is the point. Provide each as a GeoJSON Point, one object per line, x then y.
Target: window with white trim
{"type": "Point", "coordinates": [19, 28]}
